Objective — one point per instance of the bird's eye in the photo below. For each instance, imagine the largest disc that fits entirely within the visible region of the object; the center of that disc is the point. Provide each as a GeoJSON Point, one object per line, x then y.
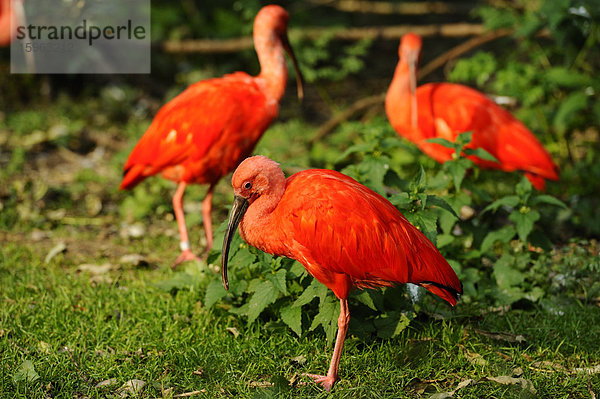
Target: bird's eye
{"type": "Point", "coordinates": [247, 185]}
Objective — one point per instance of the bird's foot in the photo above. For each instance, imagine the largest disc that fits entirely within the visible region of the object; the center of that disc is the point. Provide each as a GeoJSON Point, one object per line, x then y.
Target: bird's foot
{"type": "Point", "coordinates": [185, 256]}
{"type": "Point", "coordinates": [325, 381]}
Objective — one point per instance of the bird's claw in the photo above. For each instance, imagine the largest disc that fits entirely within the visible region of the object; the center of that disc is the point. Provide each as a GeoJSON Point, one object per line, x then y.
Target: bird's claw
{"type": "Point", "coordinates": [185, 256]}
{"type": "Point", "coordinates": [324, 380]}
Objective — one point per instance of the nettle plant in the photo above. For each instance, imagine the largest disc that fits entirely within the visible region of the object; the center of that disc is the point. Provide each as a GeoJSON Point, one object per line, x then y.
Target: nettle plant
{"type": "Point", "coordinates": [283, 294]}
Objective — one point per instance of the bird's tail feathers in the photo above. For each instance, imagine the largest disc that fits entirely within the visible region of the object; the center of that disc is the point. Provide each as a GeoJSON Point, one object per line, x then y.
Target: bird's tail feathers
{"type": "Point", "coordinates": [132, 176]}
{"type": "Point", "coordinates": [448, 294]}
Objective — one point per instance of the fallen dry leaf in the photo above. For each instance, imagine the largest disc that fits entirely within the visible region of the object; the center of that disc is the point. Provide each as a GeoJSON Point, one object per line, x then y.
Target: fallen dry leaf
{"type": "Point", "coordinates": [233, 331]}
{"type": "Point", "coordinates": [260, 384]}
{"type": "Point", "coordinates": [131, 387]}
{"type": "Point", "coordinates": [106, 383]}
{"type": "Point", "coordinates": [135, 230]}
{"type": "Point", "coordinates": [475, 358]}
{"type": "Point", "coordinates": [508, 380]}
{"type": "Point", "coordinates": [502, 336]}
{"type": "Point", "coordinates": [300, 359]}
{"type": "Point", "coordinates": [546, 366]}
{"type": "Point", "coordinates": [449, 394]}
{"type": "Point", "coordinates": [95, 269]}
{"type": "Point", "coordinates": [199, 372]}
{"type": "Point", "coordinates": [187, 394]}
{"type": "Point", "coordinates": [133, 259]}
{"type": "Point", "coordinates": [588, 370]}
{"type": "Point", "coordinates": [57, 249]}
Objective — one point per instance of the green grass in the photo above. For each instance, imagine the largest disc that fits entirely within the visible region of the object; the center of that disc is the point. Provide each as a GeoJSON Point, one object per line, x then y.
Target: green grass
{"type": "Point", "coordinates": [149, 323]}
{"type": "Point", "coordinates": [78, 331]}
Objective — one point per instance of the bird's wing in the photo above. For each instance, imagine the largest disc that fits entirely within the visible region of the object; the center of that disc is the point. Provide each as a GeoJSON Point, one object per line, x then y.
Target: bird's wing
{"type": "Point", "coordinates": [344, 227]}
{"type": "Point", "coordinates": [456, 108]}
{"type": "Point", "coordinates": [189, 125]}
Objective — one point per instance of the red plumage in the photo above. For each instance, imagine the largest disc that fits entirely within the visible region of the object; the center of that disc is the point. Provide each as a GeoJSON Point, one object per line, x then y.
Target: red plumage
{"type": "Point", "coordinates": [344, 234]}
{"type": "Point", "coordinates": [445, 110]}
{"type": "Point", "coordinates": [203, 133]}
{"type": "Point", "coordinates": [348, 236]}
{"type": "Point", "coordinates": [208, 129]}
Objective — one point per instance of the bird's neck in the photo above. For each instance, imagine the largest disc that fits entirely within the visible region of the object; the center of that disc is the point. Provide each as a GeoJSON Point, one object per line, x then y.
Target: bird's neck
{"type": "Point", "coordinates": [258, 225]}
{"type": "Point", "coordinates": [273, 69]}
{"type": "Point", "coordinates": [399, 100]}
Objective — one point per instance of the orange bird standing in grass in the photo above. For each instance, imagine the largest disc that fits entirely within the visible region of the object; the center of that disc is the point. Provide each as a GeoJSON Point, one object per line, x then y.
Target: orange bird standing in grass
{"type": "Point", "coordinates": [344, 234]}
{"type": "Point", "coordinates": [206, 131]}
{"type": "Point", "coordinates": [444, 110]}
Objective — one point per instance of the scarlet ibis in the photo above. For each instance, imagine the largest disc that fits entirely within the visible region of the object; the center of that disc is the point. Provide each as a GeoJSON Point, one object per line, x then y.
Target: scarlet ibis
{"type": "Point", "coordinates": [344, 234]}
{"type": "Point", "coordinates": [8, 14]}
{"type": "Point", "coordinates": [444, 110]}
{"type": "Point", "coordinates": [208, 129]}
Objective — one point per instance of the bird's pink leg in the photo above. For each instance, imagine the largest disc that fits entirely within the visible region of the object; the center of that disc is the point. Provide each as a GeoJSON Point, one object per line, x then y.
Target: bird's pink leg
{"type": "Point", "coordinates": [186, 253]}
{"type": "Point", "coordinates": [328, 380]}
{"type": "Point", "coordinates": [206, 210]}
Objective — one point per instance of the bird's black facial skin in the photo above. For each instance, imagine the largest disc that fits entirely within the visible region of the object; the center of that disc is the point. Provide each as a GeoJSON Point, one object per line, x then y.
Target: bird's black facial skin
{"type": "Point", "coordinates": [238, 209]}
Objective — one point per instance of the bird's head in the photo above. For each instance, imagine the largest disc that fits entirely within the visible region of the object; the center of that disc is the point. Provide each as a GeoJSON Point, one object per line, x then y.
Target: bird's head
{"type": "Point", "coordinates": [274, 20]}
{"type": "Point", "coordinates": [255, 178]}
{"type": "Point", "coordinates": [410, 47]}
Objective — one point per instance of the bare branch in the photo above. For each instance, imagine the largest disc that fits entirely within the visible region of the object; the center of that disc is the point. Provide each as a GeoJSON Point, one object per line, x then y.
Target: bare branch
{"type": "Point", "coordinates": [374, 32]}
{"type": "Point", "coordinates": [404, 8]}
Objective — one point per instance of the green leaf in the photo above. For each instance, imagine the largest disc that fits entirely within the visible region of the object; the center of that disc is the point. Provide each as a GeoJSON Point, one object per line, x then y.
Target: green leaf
{"type": "Point", "coordinates": [505, 234]}
{"type": "Point", "coordinates": [297, 269]}
{"type": "Point", "coordinates": [548, 199]}
{"type": "Point", "coordinates": [278, 280]}
{"type": "Point", "coordinates": [457, 169]}
{"type": "Point", "coordinates": [292, 317]}
{"type": "Point", "coordinates": [364, 297]}
{"type": "Point", "coordinates": [242, 258]}
{"type": "Point", "coordinates": [311, 292]}
{"type": "Point", "coordinates": [179, 281]}
{"type": "Point", "coordinates": [329, 311]}
{"type": "Point", "coordinates": [360, 148]}
{"type": "Point", "coordinates": [480, 153]}
{"type": "Point", "coordinates": [401, 200]}
{"type": "Point", "coordinates": [505, 275]}
{"type": "Point", "coordinates": [440, 141]}
{"type": "Point", "coordinates": [524, 189]}
{"type": "Point", "coordinates": [420, 180]}
{"type": "Point", "coordinates": [524, 222]}
{"type": "Point", "coordinates": [440, 202]}
{"type": "Point", "coordinates": [426, 222]}
{"type": "Point", "coordinates": [509, 200]}
{"type": "Point", "coordinates": [568, 109]}
{"type": "Point", "coordinates": [444, 239]}
{"type": "Point", "coordinates": [26, 373]}
{"type": "Point", "coordinates": [265, 294]}
{"type": "Point", "coordinates": [391, 324]}
{"type": "Point", "coordinates": [214, 292]}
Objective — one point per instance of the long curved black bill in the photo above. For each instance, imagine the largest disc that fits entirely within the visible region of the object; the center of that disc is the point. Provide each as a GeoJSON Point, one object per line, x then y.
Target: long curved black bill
{"type": "Point", "coordinates": [239, 207]}
{"type": "Point", "coordinates": [299, 79]}
{"type": "Point", "coordinates": [412, 68]}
